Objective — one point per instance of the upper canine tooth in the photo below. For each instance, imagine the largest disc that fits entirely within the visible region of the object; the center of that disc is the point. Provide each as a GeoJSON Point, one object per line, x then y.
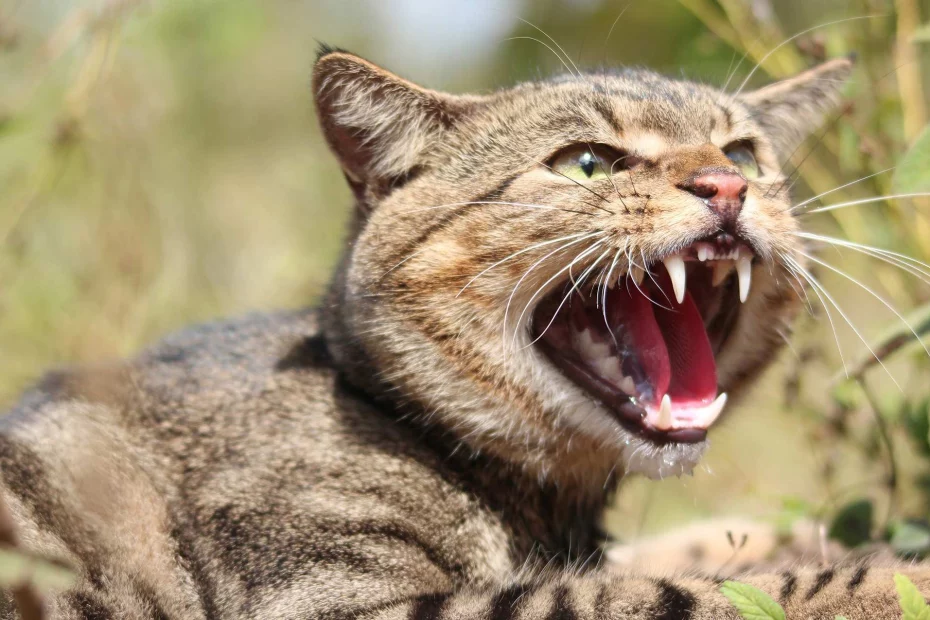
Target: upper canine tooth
{"type": "Point", "coordinates": [637, 274]}
{"type": "Point", "coordinates": [664, 421]}
{"type": "Point", "coordinates": [676, 269]}
{"type": "Point", "coordinates": [744, 272]}
{"type": "Point", "coordinates": [722, 269]}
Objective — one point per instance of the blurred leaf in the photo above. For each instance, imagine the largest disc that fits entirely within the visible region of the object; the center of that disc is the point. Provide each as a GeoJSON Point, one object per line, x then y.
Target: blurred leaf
{"type": "Point", "coordinates": [910, 538]}
{"type": "Point", "coordinates": [912, 601]}
{"type": "Point", "coordinates": [840, 618]}
{"type": "Point", "coordinates": [921, 34]}
{"type": "Point", "coordinates": [752, 603]}
{"type": "Point", "coordinates": [916, 418]}
{"type": "Point", "coordinates": [913, 171]}
{"type": "Point", "coordinates": [793, 508]}
{"type": "Point", "coordinates": [17, 568]}
{"type": "Point", "coordinates": [853, 525]}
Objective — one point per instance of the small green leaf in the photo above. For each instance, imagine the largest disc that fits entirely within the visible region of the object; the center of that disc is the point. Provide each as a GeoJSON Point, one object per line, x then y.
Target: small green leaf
{"type": "Point", "coordinates": [912, 601]}
{"type": "Point", "coordinates": [853, 525]}
{"type": "Point", "coordinates": [910, 538]}
{"type": "Point", "coordinates": [913, 171]}
{"type": "Point", "coordinates": [752, 603]}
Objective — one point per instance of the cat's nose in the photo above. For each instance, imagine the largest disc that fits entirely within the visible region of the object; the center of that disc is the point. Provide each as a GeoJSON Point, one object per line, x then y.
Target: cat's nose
{"type": "Point", "coordinates": [723, 191]}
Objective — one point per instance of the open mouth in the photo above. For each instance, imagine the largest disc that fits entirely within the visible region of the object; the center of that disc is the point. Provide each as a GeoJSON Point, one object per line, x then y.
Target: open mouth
{"type": "Point", "coordinates": [646, 344]}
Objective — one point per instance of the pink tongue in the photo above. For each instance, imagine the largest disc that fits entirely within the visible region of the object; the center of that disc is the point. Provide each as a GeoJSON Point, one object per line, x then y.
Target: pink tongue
{"type": "Point", "coordinates": [694, 370]}
{"type": "Point", "coordinates": [632, 309]}
{"type": "Point", "coordinates": [670, 345]}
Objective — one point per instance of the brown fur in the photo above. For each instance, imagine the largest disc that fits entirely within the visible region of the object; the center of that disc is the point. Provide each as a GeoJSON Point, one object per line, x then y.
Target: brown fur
{"type": "Point", "coordinates": [390, 454]}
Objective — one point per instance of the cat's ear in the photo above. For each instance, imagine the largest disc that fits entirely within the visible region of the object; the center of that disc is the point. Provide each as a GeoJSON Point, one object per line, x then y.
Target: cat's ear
{"type": "Point", "coordinates": [792, 109]}
{"type": "Point", "coordinates": [377, 124]}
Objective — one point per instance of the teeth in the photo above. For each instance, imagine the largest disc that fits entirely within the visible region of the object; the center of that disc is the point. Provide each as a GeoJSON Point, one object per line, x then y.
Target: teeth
{"type": "Point", "coordinates": [664, 421]}
{"type": "Point", "coordinates": [628, 386]}
{"type": "Point", "coordinates": [590, 349]}
{"type": "Point", "coordinates": [637, 274]}
{"type": "Point", "coordinates": [676, 269]}
{"type": "Point", "coordinates": [722, 270]}
{"type": "Point", "coordinates": [713, 410]}
{"type": "Point", "coordinates": [744, 272]}
{"type": "Point", "coordinates": [703, 254]}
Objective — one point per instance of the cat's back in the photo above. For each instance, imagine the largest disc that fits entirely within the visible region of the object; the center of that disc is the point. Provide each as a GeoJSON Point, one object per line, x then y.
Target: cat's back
{"type": "Point", "coordinates": [223, 465]}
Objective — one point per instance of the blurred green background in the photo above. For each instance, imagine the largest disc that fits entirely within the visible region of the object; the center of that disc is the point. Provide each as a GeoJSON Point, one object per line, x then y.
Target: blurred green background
{"type": "Point", "coordinates": [160, 164]}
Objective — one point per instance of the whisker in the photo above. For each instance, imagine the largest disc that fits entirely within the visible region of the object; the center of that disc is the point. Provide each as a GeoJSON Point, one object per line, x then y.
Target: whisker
{"type": "Point", "coordinates": [902, 261]}
{"type": "Point", "coordinates": [815, 283]}
{"type": "Point", "coordinates": [556, 43]}
{"type": "Point", "coordinates": [536, 264]}
{"type": "Point", "coordinates": [565, 298]}
{"type": "Point", "coordinates": [792, 38]}
{"type": "Point", "coordinates": [872, 293]}
{"type": "Point", "coordinates": [543, 43]}
{"type": "Point", "coordinates": [496, 202]}
{"type": "Point", "coordinates": [836, 189]}
{"type": "Point", "coordinates": [862, 201]}
{"type": "Point", "coordinates": [411, 255]}
{"type": "Point", "coordinates": [793, 267]}
{"type": "Point", "coordinates": [554, 171]}
{"type": "Point", "coordinates": [524, 251]}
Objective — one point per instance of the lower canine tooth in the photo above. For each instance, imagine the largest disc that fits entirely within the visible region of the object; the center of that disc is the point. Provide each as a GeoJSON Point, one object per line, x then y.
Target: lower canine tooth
{"type": "Point", "coordinates": [744, 272]}
{"type": "Point", "coordinates": [713, 410]}
{"type": "Point", "coordinates": [676, 269]}
{"type": "Point", "coordinates": [664, 422]}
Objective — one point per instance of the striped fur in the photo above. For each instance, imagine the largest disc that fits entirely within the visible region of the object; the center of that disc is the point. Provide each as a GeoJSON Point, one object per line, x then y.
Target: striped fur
{"type": "Point", "coordinates": [382, 456]}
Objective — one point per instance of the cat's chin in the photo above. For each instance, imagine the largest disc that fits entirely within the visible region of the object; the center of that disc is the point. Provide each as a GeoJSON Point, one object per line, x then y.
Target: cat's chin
{"type": "Point", "coordinates": [645, 344]}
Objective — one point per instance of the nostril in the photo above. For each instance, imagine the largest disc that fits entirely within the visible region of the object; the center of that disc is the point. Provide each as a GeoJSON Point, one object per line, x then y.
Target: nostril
{"type": "Point", "coordinates": [703, 190]}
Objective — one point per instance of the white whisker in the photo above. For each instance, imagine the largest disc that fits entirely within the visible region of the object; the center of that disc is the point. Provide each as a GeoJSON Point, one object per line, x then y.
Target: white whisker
{"type": "Point", "coordinates": [863, 201]}
{"type": "Point", "coordinates": [524, 251]}
{"type": "Point", "coordinates": [836, 189]}
{"type": "Point", "coordinates": [565, 298]}
{"type": "Point", "coordinates": [789, 40]}
{"type": "Point", "coordinates": [815, 283]}
{"type": "Point", "coordinates": [536, 264]}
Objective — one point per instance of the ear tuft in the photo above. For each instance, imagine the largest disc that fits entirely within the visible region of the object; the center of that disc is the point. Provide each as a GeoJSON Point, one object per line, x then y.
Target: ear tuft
{"type": "Point", "coordinates": [791, 109]}
{"type": "Point", "coordinates": [378, 124]}
{"type": "Point", "coordinates": [324, 49]}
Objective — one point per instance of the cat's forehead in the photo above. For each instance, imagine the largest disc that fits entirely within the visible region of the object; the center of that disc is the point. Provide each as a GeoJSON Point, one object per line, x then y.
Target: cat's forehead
{"type": "Point", "coordinates": [637, 105]}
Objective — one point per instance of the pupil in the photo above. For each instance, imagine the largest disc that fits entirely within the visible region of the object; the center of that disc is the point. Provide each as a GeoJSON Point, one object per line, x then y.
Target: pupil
{"type": "Point", "coordinates": [587, 164]}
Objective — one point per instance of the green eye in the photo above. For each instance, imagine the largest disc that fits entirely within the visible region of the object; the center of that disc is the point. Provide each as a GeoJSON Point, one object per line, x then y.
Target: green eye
{"type": "Point", "coordinates": [585, 163]}
{"type": "Point", "coordinates": [742, 156]}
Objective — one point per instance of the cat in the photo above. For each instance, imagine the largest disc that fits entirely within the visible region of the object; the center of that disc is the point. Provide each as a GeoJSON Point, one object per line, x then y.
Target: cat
{"type": "Point", "coordinates": [544, 289]}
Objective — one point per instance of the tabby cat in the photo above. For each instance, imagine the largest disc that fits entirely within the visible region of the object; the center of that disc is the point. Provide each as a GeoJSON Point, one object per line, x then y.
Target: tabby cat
{"type": "Point", "coordinates": [544, 289]}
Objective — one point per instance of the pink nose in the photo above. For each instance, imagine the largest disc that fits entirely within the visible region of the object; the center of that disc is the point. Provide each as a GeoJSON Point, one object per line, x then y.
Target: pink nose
{"type": "Point", "coordinates": [723, 191]}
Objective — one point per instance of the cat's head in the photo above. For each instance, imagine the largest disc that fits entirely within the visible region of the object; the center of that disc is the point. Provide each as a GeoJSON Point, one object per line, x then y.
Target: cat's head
{"type": "Point", "coordinates": [570, 273]}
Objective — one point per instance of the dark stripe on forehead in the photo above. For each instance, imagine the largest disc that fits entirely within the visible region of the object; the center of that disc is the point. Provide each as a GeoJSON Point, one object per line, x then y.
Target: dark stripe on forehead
{"type": "Point", "coordinates": [606, 110]}
{"type": "Point", "coordinates": [857, 579]}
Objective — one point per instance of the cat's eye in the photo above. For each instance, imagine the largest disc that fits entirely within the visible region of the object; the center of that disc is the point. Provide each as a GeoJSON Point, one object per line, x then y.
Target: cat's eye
{"type": "Point", "coordinates": [584, 162]}
{"type": "Point", "coordinates": [741, 154]}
